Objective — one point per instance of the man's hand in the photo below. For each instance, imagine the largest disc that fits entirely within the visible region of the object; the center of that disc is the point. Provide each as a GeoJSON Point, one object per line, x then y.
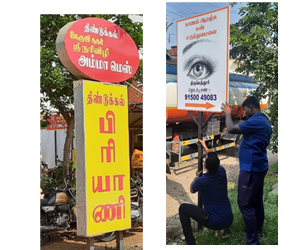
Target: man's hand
{"type": "Point", "coordinates": [204, 145]}
{"type": "Point", "coordinates": [202, 142]}
{"type": "Point", "coordinates": [226, 108]}
{"type": "Point", "coordinates": [233, 129]}
{"type": "Point", "coordinates": [198, 173]}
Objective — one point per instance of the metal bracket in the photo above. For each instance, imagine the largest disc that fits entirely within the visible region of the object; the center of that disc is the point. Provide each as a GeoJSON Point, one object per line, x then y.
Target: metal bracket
{"type": "Point", "coordinates": [204, 123]}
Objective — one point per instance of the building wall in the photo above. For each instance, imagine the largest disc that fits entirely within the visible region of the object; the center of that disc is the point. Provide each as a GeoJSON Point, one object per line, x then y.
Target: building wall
{"type": "Point", "coordinates": [47, 145]}
{"type": "Point", "coordinates": [174, 51]}
{"type": "Point", "coordinates": [233, 65]}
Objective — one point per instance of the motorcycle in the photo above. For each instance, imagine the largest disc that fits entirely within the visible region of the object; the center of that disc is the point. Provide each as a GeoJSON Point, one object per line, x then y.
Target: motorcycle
{"type": "Point", "coordinates": [136, 194]}
{"type": "Point", "coordinates": [58, 210]}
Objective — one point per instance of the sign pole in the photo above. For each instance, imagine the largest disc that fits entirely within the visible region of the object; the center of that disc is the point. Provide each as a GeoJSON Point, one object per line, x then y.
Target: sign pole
{"type": "Point", "coordinates": [90, 244]}
{"type": "Point", "coordinates": [120, 241]}
{"type": "Point", "coordinates": [55, 147]}
{"type": "Point", "coordinates": [200, 157]}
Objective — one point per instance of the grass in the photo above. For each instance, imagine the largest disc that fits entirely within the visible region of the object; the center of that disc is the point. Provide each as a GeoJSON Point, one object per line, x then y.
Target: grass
{"type": "Point", "coordinates": [237, 235]}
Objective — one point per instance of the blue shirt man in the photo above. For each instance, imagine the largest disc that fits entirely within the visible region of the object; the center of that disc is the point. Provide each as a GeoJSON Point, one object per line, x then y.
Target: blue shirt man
{"type": "Point", "coordinates": [213, 189]}
{"type": "Point", "coordinates": [253, 165]}
{"type": "Point", "coordinates": [253, 149]}
{"type": "Point", "coordinates": [212, 185]}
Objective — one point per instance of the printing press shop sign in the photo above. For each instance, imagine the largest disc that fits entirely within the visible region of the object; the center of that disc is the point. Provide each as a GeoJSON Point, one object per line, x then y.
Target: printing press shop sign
{"type": "Point", "coordinates": [202, 50]}
{"type": "Point", "coordinates": [94, 48]}
{"type": "Point", "coordinates": [102, 143]}
{"type": "Point", "coordinates": [56, 122]}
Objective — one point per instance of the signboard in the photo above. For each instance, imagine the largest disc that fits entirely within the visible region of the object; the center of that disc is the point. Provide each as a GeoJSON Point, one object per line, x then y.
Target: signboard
{"type": "Point", "coordinates": [94, 48]}
{"type": "Point", "coordinates": [56, 122]}
{"type": "Point", "coordinates": [202, 63]}
{"type": "Point", "coordinates": [102, 152]}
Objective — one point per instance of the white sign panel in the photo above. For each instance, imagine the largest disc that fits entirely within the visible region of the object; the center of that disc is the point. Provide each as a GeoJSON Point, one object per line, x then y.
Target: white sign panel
{"type": "Point", "coordinates": [202, 61]}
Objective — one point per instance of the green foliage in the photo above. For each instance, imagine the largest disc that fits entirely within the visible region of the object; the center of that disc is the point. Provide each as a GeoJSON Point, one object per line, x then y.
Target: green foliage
{"type": "Point", "coordinates": [54, 179]}
{"type": "Point", "coordinates": [43, 124]}
{"type": "Point", "coordinates": [272, 115]}
{"type": "Point", "coordinates": [232, 4]}
{"type": "Point", "coordinates": [237, 235]}
{"type": "Point", "coordinates": [56, 81]}
{"type": "Point", "coordinates": [254, 41]}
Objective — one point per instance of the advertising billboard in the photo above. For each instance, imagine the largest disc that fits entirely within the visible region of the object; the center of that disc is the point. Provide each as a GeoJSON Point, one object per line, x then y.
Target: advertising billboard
{"type": "Point", "coordinates": [102, 143]}
{"type": "Point", "coordinates": [202, 61]}
{"type": "Point", "coordinates": [97, 49]}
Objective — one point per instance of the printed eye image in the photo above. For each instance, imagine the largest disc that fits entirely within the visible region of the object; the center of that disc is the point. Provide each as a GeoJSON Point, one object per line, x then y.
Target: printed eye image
{"type": "Point", "coordinates": [199, 65]}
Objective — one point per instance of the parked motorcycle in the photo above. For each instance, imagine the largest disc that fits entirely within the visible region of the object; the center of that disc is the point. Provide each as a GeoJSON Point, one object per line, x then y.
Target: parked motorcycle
{"type": "Point", "coordinates": [58, 210]}
{"type": "Point", "coordinates": [136, 193]}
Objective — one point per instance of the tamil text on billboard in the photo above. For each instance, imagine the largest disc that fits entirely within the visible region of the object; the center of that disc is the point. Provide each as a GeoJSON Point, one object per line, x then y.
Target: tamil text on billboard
{"type": "Point", "coordinates": [202, 66]}
{"type": "Point", "coordinates": [103, 174]}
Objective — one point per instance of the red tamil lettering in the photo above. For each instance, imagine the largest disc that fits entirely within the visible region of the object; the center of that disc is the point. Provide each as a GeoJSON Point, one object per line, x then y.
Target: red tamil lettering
{"type": "Point", "coordinates": [110, 150]}
{"type": "Point", "coordinates": [99, 186]}
{"type": "Point", "coordinates": [120, 181]}
{"type": "Point", "coordinates": [121, 205]}
{"type": "Point", "coordinates": [102, 213]}
{"type": "Point", "coordinates": [111, 125]}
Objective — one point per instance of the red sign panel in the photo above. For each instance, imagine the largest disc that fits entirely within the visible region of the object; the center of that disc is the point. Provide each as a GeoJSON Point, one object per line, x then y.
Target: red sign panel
{"type": "Point", "coordinates": [56, 122]}
{"type": "Point", "coordinates": [94, 48]}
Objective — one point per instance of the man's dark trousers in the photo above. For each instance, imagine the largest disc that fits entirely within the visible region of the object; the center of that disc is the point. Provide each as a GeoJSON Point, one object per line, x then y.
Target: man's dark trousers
{"type": "Point", "coordinates": [250, 201]}
{"type": "Point", "coordinates": [188, 211]}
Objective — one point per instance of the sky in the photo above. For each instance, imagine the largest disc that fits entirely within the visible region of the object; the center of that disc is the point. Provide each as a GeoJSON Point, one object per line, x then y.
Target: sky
{"type": "Point", "coordinates": [180, 10]}
{"type": "Point", "coordinates": [137, 18]}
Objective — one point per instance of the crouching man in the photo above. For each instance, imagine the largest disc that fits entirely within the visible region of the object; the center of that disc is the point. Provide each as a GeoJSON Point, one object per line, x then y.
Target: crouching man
{"type": "Point", "coordinates": [212, 185]}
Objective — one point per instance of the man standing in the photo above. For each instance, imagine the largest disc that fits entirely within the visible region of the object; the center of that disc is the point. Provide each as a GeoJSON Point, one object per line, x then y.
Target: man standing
{"type": "Point", "coordinates": [253, 164]}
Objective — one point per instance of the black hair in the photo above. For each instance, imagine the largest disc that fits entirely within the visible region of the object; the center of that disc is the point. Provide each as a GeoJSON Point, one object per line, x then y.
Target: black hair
{"type": "Point", "coordinates": [251, 101]}
{"type": "Point", "coordinates": [212, 163]}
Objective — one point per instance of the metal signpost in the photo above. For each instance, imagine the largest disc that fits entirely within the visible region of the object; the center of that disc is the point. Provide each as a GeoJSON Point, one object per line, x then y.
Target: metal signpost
{"type": "Point", "coordinates": [200, 154]}
{"type": "Point", "coordinates": [202, 67]}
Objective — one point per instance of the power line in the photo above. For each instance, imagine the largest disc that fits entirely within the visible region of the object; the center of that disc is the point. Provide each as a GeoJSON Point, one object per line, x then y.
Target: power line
{"type": "Point", "coordinates": [175, 13]}
{"type": "Point", "coordinates": [214, 5]}
{"type": "Point", "coordinates": [190, 9]}
{"type": "Point", "coordinates": [183, 7]}
{"type": "Point", "coordinates": [173, 6]}
{"type": "Point", "coordinates": [180, 9]}
{"type": "Point", "coordinates": [172, 18]}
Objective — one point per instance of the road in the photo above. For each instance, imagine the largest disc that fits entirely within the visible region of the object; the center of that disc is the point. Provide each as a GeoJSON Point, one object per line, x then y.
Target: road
{"type": "Point", "coordinates": [68, 240]}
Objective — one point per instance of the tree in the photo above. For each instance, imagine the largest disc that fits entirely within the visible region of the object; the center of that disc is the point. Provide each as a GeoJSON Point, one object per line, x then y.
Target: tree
{"type": "Point", "coordinates": [56, 85]}
{"type": "Point", "coordinates": [254, 41]}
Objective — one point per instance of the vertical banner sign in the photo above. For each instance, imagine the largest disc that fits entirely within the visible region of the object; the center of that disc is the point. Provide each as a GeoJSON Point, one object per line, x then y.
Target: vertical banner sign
{"type": "Point", "coordinates": [103, 174]}
{"type": "Point", "coordinates": [202, 66]}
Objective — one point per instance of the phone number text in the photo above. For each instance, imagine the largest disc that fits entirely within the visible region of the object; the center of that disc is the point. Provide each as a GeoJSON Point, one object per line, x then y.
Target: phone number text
{"type": "Point", "coordinates": [208, 97]}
